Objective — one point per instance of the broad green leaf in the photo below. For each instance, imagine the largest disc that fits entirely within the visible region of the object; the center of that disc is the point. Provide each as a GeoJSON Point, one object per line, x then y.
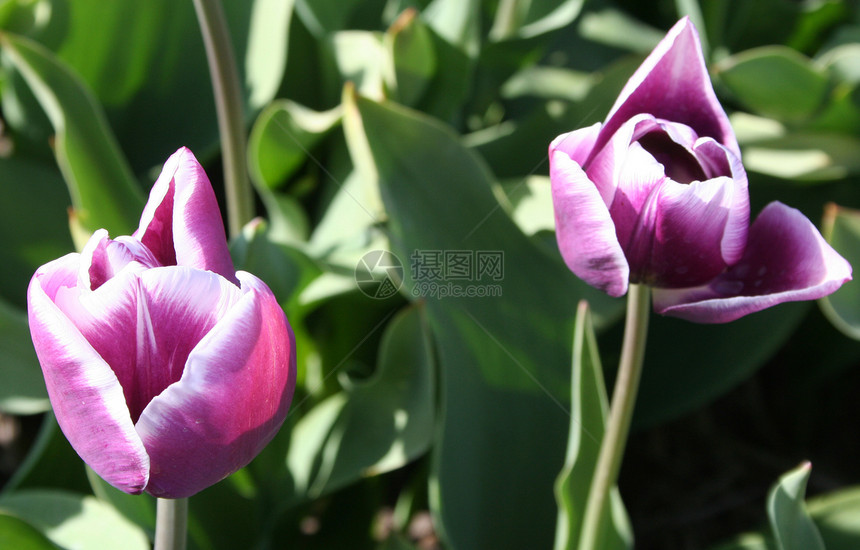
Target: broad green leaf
{"type": "Point", "coordinates": [805, 156]}
{"type": "Point", "coordinates": [616, 28]}
{"type": "Point", "coordinates": [266, 54]}
{"type": "Point", "coordinates": [531, 200]}
{"type": "Point", "coordinates": [282, 138]}
{"type": "Point", "coordinates": [519, 19]}
{"type": "Point", "coordinates": [792, 527]}
{"type": "Point", "coordinates": [50, 462]}
{"type": "Point", "coordinates": [284, 268]}
{"type": "Point", "coordinates": [358, 57]}
{"type": "Point", "coordinates": [22, 388]}
{"type": "Point", "coordinates": [775, 81]}
{"type": "Point", "coordinates": [325, 16]}
{"type": "Point", "coordinates": [34, 223]}
{"type": "Point", "coordinates": [843, 62]}
{"type": "Point", "coordinates": [841, 114]}
{"type": "Point", "coordinates": [20, 535]}
{"type": "Point", "coordinates": [145, 61]}
{"type": "Point", "coordinates": [75, 521]}
{"type": "Point", "coordinates": [549, 83]}
{"type": "Point", "coordinates": [348, 227]}
{"type": "Point", "coordinates": [589, 409]}
{"type": "Point", "coordinates": [837, 516]}
{"type": "Point", "coordinates": [412, 59]}
{"type": "Point", "coordinates": [375, 425]}
{"type": "Point", "coordinates": [841, 228]}
{"type": "Point", "coordinates": [457, 22]}
{"type": "Point", "coordinates": [24, 16]}
{"type": "Point", "coordinates": [139, 509]}
{"type": "Point", "coordinates": [102, 187]}
{"type": "Point", "coordinates": [492, 471]}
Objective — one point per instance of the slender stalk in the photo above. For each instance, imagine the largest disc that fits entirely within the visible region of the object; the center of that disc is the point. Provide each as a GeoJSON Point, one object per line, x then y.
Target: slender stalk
{"type": "Point", "coordinates": [228, 105]}
{"type": "Point", "coordinates": [620, 413]}
{"type": "Point", "coordinates": [171, 523]}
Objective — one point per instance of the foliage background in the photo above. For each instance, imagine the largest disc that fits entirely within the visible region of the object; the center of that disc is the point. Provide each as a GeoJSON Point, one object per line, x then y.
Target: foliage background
{"type": "Point", "coordinates": [459, 408]}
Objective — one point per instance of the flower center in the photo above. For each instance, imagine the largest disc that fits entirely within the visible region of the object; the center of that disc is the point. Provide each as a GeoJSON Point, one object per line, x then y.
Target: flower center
{"type": "Point", "coordinates": [679, 164]}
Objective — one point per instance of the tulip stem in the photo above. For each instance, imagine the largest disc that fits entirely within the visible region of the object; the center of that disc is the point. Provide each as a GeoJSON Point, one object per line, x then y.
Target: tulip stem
{"type": "Point", "coordinates": [228, 105]}
{"type": "Point", "coordinates": [171, 523]}
{"type": "Point", "coordinates": [620, 414]}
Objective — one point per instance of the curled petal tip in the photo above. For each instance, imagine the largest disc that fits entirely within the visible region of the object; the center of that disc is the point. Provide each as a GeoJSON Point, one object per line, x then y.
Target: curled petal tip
{"type": "Point", "coordinates": [181, 222]}
{"type": "Point", "coordinates": [786, 260]}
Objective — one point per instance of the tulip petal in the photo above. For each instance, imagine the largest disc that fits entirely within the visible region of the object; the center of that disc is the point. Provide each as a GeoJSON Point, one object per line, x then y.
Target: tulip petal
{"type": "Point", "coordinates": [230, 402]}
{"type": "Point", "coordinates": [673, 84]}
{"type": "Point", "coordinates": [146, 324]}
{"type": "Point", "coordinates": [689, 230]}
{"type": "Point", "coordinates": [786, 260]}
{"type": "Point", "coordinates": [86, 396]}
{"type": "Point", "coordinates": [584, 229]}
{"type": "Point", "coordinates": [181, 222]}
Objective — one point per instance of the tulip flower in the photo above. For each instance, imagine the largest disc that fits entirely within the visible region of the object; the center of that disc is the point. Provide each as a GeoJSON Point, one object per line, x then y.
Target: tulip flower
{"type": "Point", "coordinates": [657, 195]}
{"type": "Point", "coordinates": [167, 370]}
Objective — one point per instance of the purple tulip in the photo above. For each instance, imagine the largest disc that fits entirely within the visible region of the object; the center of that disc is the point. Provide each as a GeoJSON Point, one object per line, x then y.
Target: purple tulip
{"type": "Point", "coordinates": [167, 369]}
{"type": "Point", "coordinates": [657, 195]}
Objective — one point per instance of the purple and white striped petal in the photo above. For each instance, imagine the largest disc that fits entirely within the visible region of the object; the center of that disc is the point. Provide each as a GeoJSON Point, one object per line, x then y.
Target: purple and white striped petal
{"type": "Point", "coordinates": [85, 393]}
{"type": "Point", "coordinates": [231, 400]}
{"type": "Point", "coordinates": [786, 260]}
{"type": "Point", "coordinates": [181, 222]}
{"type": "Point", "coordinates": [584, 229]}
{"type": "Point", "coordinates": [673, 84]}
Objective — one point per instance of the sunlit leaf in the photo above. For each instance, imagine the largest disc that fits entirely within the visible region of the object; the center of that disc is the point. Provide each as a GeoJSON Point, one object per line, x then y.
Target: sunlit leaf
{"type": "Point", "coordinates": [375, 425]}
{"type": "Point", "coordinates": [792, 527]}
{"type": "Point", "coordinates": [841, 228]}
{"type": "Point", "coordinates": [75, 521]}
{"type": "Point", "coordinates": [775, 81]}
{"type": "Point", "coordinates": [589, 409]}
{"type": "Point", "coordinates": [103, 189]}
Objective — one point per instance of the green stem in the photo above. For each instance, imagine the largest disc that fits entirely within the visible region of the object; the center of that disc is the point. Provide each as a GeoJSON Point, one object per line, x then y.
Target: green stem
{"type": "Point", "coordinates": [171, 523]}
{"type": "Point", "coordinates": [228, 105]}
{"type": "Point", "coordinates": [620, 414]}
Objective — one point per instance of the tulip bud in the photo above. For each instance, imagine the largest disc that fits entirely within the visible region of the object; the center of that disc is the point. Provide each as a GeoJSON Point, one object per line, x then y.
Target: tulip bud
{"type": "Point", "coordinates": [657, 195]}
{"type": "Point", "coordinates": [167, 370]}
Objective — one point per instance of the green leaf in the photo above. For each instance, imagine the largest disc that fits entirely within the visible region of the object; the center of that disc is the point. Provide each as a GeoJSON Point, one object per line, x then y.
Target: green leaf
{"type": "Point", "coordinates": [22, 388]}
{"type": "Point", "coordinates": [358, 57]}
{"type": "Point", "coordinates": [805, 156]}
{"type": "Point", "coordinates": [281, 140]}
{"type": "Point", "coordinates": [841, 228]}
{"type": "Point", "coordinates": [266, 54]}
{"type": "Point", "coordinates": [515, 19]}
{"type": "Point", "coordinates": [587, 426]}
{"type": "Point", "coordinates": [139, 509]}
{"type": "Point", "coordinates": [75, 521]}
{"type": "Point", "coordinates": [775, 81]}
{"type": "Point", "coordinates": [17, 533]}
{"type": "Point", "coordinates": [789, 519]}
{"type": "Point", "coordinates": [412, 58]}
{"type": "Point", "coordinates": [837, 516]}
{"type": "Point", "coordinates": [103, 189]}
{"type": "Point", "coordinates": [376, 425]}
{"type": "Point", "coordinates": [616, 28]}
{"type": "Point", "coordinates": [50, 462]}
{"type": "Point", "coordinates": [531, 201]}
{"type": "Point", "coordinates": [284, 268]}
{"type": "Point", "coordinates": [457, 22]}
{"type": "Point", "coordinates": [492, 470]}
{"type": "Point", "coordinates": [34, 223]}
